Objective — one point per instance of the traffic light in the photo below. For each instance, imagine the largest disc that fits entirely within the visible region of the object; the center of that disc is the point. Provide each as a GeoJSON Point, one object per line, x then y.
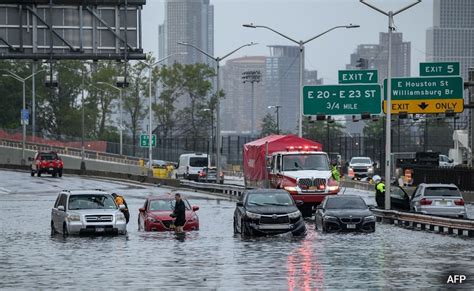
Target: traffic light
{"type": "Point", "coordinates": [51, 83]}
{"type": "Point", "coordinates": [362, 63]}
{"type": "Point", "coordinates": [122, 82]}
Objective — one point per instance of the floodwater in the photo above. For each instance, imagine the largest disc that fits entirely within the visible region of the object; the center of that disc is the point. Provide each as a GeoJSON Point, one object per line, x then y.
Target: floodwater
{"type": "Point", "coordinates": [211, 258]}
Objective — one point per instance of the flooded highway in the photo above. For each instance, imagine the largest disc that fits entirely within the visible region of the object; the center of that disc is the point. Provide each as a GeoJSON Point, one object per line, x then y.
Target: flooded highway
{"type": "Point", "coordinates": [211, 258]}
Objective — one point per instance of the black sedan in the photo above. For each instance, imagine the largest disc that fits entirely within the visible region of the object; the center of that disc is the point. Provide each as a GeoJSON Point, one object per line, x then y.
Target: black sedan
{"type": "Point", "coordinates": [266, 212]}
{"type": "Point", "coordinates": [344, 213]}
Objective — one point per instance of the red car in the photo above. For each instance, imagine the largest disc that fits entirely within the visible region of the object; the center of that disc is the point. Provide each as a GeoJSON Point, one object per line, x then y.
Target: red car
{"type": "Point", "coordinates": [46, 162]}
{"type": "Point", "coordinates": [155, 214]}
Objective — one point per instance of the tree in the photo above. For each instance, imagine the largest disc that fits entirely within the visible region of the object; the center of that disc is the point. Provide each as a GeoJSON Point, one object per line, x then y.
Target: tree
{"type": "Point", "coordinates": [269, 125]}
{"type": "Point", "coordinates": [374, 129]}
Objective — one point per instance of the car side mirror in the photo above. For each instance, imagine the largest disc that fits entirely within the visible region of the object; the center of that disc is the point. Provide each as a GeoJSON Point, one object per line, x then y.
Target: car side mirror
{"type": "Point", "coordinates": [121, 207]}
{"type": "Point", "coordinates": [299, 203]}
{"type": "Point", "coordinates": [451, 160]}
{"type": "Point", "coordinates": [61, 208]}
{"type": "Point", "coordinates": [240, 204]}
{"type": "Point", "coordinates": [195, 208]}
{"type": "Point", "coordinates": [141, 209]}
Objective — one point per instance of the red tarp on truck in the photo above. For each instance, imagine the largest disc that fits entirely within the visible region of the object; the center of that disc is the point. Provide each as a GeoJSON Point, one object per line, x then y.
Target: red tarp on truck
{"type": "Point", "coordinates": [254, 153]}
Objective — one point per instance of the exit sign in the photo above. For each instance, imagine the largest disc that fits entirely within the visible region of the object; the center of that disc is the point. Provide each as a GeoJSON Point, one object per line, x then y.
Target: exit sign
{"type": "Point", "coordinates": [145, 140]}
{"type": "Point", "coordinates": [439, 69]}
{"type": "Point", "coordinates": [358, 77]}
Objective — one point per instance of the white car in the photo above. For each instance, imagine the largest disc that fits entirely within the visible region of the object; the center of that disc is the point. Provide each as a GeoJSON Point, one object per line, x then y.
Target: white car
{"type": "Point", "coordinates": [87, 212]}
{"type": "Point", "coordinates": [361, 167]}
{"type": "Point", "coordinates": [191, 165]}
{"type": "Point", "coordinates": [438, 199]}
{"type": "Point", "coordinates": [445, 161]}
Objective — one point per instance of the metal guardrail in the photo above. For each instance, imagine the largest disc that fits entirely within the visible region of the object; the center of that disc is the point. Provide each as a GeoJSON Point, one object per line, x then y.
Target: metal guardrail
{"type": "Point", "coordinates": [426, 222]}
{"type": "Point", "coordinates": [75, 152]}
{"type": "Point", "coordinates": [233, 190]}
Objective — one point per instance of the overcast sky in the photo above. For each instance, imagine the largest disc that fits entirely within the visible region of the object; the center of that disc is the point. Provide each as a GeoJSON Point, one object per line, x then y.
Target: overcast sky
{"type": "Point", "coordinates": [303, 19]}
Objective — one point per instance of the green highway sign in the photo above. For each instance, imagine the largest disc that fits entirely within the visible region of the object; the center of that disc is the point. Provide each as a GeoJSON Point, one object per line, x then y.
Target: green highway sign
{"type": "Point", "coordinates": [144, 140]}
{"type": "Point", "coordinates": [440, 69]}
{"type": "Point", "coordinates": [358, 77]}
{"type": "Point", "coordinates": [423, 88]}
{"type": "Point", "coordinates": [342, 99]}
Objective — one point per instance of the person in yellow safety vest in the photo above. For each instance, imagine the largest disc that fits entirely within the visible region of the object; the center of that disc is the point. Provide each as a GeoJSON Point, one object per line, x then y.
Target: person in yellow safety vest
{"type": "Point", "coordinates": [379, 191]}
{"type": "Point", "coordinates": [119, 200]}
{"type": "Point", "coordinates": [169, 169]}
{"type": "Point", "coordinates": [335, 171]}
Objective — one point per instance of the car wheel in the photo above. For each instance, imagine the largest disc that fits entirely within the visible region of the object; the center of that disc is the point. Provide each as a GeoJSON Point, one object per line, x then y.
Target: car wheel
{"type": "Point", "coordinates": [244, 230]}
{"type": "Point", "coordinates": [235, 227]}
{"type": "Point", "coordinates": [53, 230]}
{"type": "Point", "coordinates": [60, 173]}
{"type": "Point", "coordinates": [32, 173]}
{"type": "Point", "coordinates": [39, 174]}
{"type": "Point", "coordinates": [301, 232]}
{"type": "Point", "coordinates": [65, 231]}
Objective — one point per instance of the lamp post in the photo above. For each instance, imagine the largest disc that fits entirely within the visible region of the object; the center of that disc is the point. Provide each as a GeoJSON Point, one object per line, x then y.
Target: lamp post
{"type": "Point", "coordinates": [301, 44]}
{"type": "Point", "coordinates": [218, 122]}
{"type": "Point", "coordinates": [120, 115]}
{"type": "Point", "coordinates": [252, 77]}
{"type": "Point", "coordinates": [150, 112]}
{"type": "Point", "coordinates": [211, 132]}
{"type": "Point", "coordinates": [388, 136]}
{"type": "Point", "coordinates": [22, 80]}
{"type": "Point", "coordinates": [277, 107]}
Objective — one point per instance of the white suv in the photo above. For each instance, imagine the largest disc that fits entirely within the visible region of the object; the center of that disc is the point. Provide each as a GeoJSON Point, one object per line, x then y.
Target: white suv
{"type": "Point", "coordinates": [87, 212]}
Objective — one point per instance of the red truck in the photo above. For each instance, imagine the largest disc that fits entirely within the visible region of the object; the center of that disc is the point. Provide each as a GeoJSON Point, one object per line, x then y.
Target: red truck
{"type": "Point", "coordinates": [46, 162]}
{"type": "Point", "coordinates": [292, 163]}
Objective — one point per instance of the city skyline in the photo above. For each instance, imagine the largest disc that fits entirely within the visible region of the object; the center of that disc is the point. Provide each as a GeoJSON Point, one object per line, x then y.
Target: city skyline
{"type": "Point", "coordinates": [318, 15]}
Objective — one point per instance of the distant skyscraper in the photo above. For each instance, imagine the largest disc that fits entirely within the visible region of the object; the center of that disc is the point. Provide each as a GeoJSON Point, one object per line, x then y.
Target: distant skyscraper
{"type": "Point", "coordinates": [190, 21]}
{"type": "Point", "coordinates": [282, 84]}
{"type": "Point", "coordinates": [452, 36]}
{"type": "Point", "coordinates": [377, 56]}
{"type": "Point", "coordinates": [236, 107]}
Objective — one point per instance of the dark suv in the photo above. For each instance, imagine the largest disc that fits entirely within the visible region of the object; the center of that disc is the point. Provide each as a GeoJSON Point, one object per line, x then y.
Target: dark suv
{"type": "Point", "coordinates": [268, 211]}
{"type": "Point", "coordinates": [46, 162]}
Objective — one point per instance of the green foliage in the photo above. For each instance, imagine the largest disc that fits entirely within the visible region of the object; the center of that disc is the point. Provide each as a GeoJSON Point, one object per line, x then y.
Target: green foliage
{"type": "Point", "coordinates": [374, 129]}
{"type": "Point", "coordinates": [319, 130]}
{"type": "Point", "coordinates": [269, 125]}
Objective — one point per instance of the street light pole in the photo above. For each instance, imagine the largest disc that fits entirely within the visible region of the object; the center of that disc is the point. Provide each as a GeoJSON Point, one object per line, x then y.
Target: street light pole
{"type": "Point", "coordinates": [22, 80]}
{"type": "Point", "coordinates": [388, 133]}
{"type": "Point", "coordinates": [301, 44]}
{"type": "Point", "coordinates": [120, 114]}
{"type": "Point", "coordinates": [150, 112]}
{"type": "Point", "coordinates": [218, 119]}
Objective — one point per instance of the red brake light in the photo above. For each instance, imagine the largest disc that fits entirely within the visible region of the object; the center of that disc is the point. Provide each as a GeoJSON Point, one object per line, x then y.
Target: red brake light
{"type": "Point", "coordinates": [202, 174]}
{"type": "Point", "coordinates": [459, 202]}
{"type": "Point", "coordinates": [425, 201]}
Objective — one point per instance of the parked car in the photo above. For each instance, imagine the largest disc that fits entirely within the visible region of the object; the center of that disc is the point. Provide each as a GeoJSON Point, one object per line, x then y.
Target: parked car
{"type": "Point", "coordinates": [361, 167]}
{"type": "Point", "coordinates": [209, 175]}
{"type": "Point", "coordinates": [438, 199]}
{"type": "Point", "coordinates": [268, 211]}
{"type": "Point", "coordinates": [190, 165]}
{"type": "Point", "coordinates": [155, 214]}
{"type": "Point", "coordinates": [445, 161]}
{"type": "Point", "coordinates": [344, 213]}
{"type": "Point", "coordinates": [46, 162]}
{"type": "Point", "coordinates": [399, 199]}
{"type": "Point", "coordinates": [87, 212]}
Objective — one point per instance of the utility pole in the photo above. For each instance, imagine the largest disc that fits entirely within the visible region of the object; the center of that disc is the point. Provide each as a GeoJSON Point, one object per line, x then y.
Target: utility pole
{"type": "Point", "coordinates": [252, 77]}
{"type": "Point", "coordinates": [277, 109]}
{"type": "Point", "coordinates": [388, 143]}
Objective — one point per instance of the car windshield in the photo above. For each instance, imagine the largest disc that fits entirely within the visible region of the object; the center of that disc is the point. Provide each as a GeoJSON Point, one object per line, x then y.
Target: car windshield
{"type": "Point", "coordinates": [198, 162]}
{"type": "Point", "coordinates": [91, 201]}
{"type": "Point", "coordinates": [442, 191]}
{"type": "Point", "coordinates": [345, 203]}
{"type": "Point", "coordinates": [361, 161]}
{"type": "Point", "coordinates": [305, 162]}
{"type": "Point", "coordinates": [160, 205]}
{"type": "Point", "coordinates": [48, 157]}
{"type": "Point", "coordinates": [277, 199]}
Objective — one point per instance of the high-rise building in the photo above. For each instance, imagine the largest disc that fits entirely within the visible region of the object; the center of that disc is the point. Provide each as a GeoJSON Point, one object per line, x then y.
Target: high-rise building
{"type": "Point", "coordinates": [236, 108]}
{"type": "Point", "coordinates": [377, 56]}
{"type": "Point", "coordinates": [190, 21]}
{"type": "Point", "coordinates": [451, 39]}
{"type": "Point", "coordinates": [282, 84]}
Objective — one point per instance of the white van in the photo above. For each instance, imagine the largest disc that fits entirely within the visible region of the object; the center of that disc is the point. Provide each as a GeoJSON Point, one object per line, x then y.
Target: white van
{"type": "Point", "coordinates": [190, 165]}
